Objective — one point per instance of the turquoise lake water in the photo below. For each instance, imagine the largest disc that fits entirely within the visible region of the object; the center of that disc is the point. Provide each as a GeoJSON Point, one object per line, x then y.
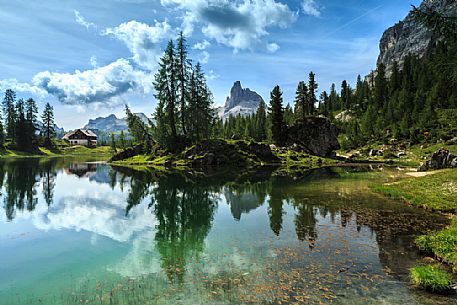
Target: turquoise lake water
{"type": "Point", "coordinates": [74, 232]}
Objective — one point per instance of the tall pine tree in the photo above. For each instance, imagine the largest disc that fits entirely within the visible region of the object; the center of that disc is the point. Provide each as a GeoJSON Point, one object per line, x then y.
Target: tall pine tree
{"type": "Point", "coordinates": [277, 116]}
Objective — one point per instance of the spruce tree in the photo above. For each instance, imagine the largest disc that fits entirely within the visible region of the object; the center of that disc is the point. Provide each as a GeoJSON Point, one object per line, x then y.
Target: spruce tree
{"type": "Point", "coordinates": [345, 95]}
{"type": "Point", "coordinates": [301, 101]}
{"type": "Point", "coordinates": [261, 122]}
{"type": "Point", "coordinates": [31, 116]}
{"type": "Point", "coordinates": [122, 141]}
{"type": "Point", "coordinates": [9, 112]}
{"type": "Point", "coordinates": [113, 143]}
{"type": "Point", "coordinates": [277, 116]}
{"type": "Point", "coordinates": [381, 90]}
{"type": "Point", "coordinates": [333, 102]}
{"type": "Point", "coordinates": [21, 138]}
{"type": "Point", "coordinates": [312, 88]}
{"type": "Point", "coordinates": [48, 131]}
{"type": "Point", "coordinates": [165, 86]}
{"type": "Point", "coordinates": [183, 70]}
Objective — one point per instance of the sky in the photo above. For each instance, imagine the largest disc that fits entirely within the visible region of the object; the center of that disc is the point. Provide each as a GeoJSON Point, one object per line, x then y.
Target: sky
{"type": "Point", "coordinates": [89, 58]}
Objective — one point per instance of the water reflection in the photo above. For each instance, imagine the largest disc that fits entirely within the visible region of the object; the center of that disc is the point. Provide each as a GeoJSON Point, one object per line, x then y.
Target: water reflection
{"type": "Point", "coordinates": [168, 218]}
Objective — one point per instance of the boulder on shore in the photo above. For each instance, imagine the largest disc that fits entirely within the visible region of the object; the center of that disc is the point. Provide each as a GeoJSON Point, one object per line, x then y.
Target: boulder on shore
{"type": "Point", "coordinates": [316, 136]}
{"type": "Point", "coordinates": [440, 159]}
{"type": "Point", "coordinates": [222, 153]}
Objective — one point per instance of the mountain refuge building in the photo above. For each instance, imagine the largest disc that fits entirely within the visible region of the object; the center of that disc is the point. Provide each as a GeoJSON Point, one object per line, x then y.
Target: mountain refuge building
{"type": "Point", "coordinates": [83, 137]}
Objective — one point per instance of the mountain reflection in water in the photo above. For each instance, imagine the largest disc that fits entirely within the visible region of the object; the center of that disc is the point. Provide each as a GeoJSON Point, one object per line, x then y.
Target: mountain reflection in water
{"type": "Point", "coordinates": [181, 210]}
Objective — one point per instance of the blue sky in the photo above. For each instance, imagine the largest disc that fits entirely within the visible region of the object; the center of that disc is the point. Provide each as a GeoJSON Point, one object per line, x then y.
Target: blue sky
{"type": "Point", "coordinates": [90, 57]}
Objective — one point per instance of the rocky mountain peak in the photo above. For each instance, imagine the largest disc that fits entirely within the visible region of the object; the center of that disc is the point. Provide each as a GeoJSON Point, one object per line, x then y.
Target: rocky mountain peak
{"type": "Point", "coordinates": [242, 97]}
{"type": "Point", "coordinates": [409, 37]}
{"type": "Point", "coordinates": [241, 101]}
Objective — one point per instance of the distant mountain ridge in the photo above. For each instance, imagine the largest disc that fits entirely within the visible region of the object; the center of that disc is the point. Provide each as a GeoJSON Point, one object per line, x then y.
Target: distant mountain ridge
{"type": "Point", "coordinates": [111, 123]}
{"type": "Point", "coordinates": [241, 101]}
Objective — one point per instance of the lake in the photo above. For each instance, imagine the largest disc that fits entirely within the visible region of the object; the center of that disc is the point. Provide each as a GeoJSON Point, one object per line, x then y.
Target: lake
{"type": "Point", "coordinates": [77, 232]}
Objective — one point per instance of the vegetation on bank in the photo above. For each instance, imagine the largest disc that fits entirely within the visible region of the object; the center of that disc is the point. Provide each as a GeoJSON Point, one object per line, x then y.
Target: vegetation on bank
{"type": "Point", "coordinates": [442, 244]}
{"type": "Point", "coordinates": [431, 278]}
{"type": "Point", "coordinates": [437, 192]}
{"type": "Point", "coordinates": [219, 153]}
{"type": "Point", "coordinates": [59, 148]}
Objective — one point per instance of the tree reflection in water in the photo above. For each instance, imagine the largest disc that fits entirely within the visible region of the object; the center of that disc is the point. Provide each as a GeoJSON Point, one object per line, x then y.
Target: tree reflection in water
{"type": "Point", "coordinates": [185, 205]}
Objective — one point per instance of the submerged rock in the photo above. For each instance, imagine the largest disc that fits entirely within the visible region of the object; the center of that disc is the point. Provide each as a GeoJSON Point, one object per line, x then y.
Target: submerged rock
{"type": "Point", "coordinates": [440, 159]}
{"type": "Point", "coordinates": [316, 136]}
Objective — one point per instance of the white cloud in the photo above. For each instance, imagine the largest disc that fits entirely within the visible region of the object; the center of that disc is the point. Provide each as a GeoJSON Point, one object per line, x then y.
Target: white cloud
{"type": "Point", "coordinates": [142, 40]}
{"type": "Point", "coordinates": [212, 75]}
{"type": "Point", "coordinates": [204, 57]}
{"type": "Point", "coordinates": [100, 85]}
{"type": "Point", "coordinates": [81, 21]}
{"type": "Point", "coordinates": [311, 8]}
{"type": "Point", "coordinates": [93, 61]}
{"type": "Point", "coordinates": [15, 85]}
{"type": "Point", "coordinates": [272, 47]}
{"type": "Point", "coordinates": [241, 25]}
{"type": "Point", "coordinates": [203, 45]}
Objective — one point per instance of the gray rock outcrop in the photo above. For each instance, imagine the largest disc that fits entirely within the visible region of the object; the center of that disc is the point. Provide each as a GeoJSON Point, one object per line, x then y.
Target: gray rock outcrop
{"type": "Point", "coordinates": [316, 136]}
{"type": "Point", "coordinates": [409, 37]}
{"type": "Point", "coordinates": [440, 159]}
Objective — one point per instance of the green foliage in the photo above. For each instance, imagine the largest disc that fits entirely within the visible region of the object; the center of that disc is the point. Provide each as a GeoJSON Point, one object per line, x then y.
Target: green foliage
{"type": "Point", "coordinates": [113, 144]}
{"type": "Point", "coordinates": [435, 192]}
{"type": "Point", "coordinates": [430, 278]}
{"type": "Point", "coordinates": [9, 112]}
{"type": "Point", "coordinates": [184, 112]}
{"type": "Point", "coordinates": [48, 131]}
{"type": "Point", "coordinates": [441, 24]}
{"type": "Point", "coordinates": [277, 116]}
{"type": "Point", "coordinates": [442, 244]}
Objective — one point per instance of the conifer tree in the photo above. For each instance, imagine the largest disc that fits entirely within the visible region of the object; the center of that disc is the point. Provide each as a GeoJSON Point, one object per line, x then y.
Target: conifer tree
{"type": "Point", "coordinates": [301, 101]}
{"type": "Point", "coordinates": [345, 95]}
{"type": "Point", "coordinates": [381, 91]}
{"type": "Point", "coordinates": [333, 100]}
{"type": "Point", "coordinates": [200, 112]}
{"type": "Point", "coordinates": [21, 138]}
{"type": "Point", "coordinates": [261, 122]}
{"type": "Point", "coordinates": [113, 143]}
{"type": "Point", "coordinates": [9, 112]}
{"type": "Point", "coordinates": [277, 116]}
{"type": "Point", "coordinates": [48, 131]}
{"type": "Point", "coordinates": [312, 88]}
{"type": "Point", "coordinates": [31, 115]}
{"type": "Point", "coordinates": [122, 141]}
{"type": "Point", "coordinates": [183, 70]}
{"type": "Point", "coordinates": [165, 87]}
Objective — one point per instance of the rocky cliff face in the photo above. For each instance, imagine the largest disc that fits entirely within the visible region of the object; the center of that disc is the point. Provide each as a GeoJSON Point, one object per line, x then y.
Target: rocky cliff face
{"type": "Point", "coordinates": [241, 101]}
{"type": "Point", "coordinates": [409, 37]}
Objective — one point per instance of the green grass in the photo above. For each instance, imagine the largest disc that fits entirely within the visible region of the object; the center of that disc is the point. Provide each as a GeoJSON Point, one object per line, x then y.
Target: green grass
{"type": "Point", "coordinates": [431, 278]}
{"type": "Point", "coordinates": [84, 151]}
{"type": "Point", "coordinates": [437, 192]}
{"type": "Point", "coordinates": [442, 244]}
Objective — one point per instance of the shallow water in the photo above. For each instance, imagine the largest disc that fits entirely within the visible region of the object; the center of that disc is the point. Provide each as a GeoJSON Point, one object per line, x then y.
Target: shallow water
{"type": "Point", "coordinates": [73, 232]}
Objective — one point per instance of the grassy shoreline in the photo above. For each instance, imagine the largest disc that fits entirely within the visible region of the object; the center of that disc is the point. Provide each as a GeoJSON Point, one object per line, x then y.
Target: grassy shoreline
{"type": "Point", "coordinates": [436, 192]}
{"type": "Point", "coordinates": [101, 151]}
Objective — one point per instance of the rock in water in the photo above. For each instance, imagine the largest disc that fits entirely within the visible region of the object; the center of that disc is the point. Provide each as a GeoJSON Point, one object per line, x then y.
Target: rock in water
{"type": "Point", "coordinates": [316, 136]}
{"type": "Point", "coordinates": [408, 37]}
{"type": "Point", "coordinates": [440, 159]}
{"type": "Point", "coordinates": [241, 101]}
